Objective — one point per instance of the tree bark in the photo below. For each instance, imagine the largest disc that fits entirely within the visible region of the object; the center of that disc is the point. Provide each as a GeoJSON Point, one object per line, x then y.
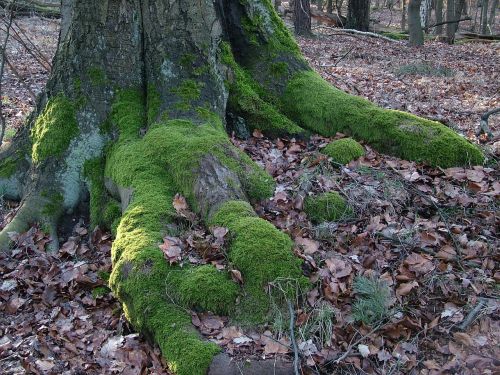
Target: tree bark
{"type": "Point", "coordinates": [439, 17]}
{"type": "Point", "coordinates": [415, 24]}
{"type": "Point", "coordinates": [137, 108]}
{"type": "Point", "coordinates": [484, 17]}
{"type": "Point", "coordinates": [302, 17]}
{"type": "Point", "coordinates": [450, 16]}
{"type": "Point", "coordinates": [358, 15]}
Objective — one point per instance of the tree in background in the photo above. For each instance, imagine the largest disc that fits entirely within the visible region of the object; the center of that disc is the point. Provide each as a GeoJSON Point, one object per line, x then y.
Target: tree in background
{"type": "Point", "coordinates": [358, 15]}
{"type": "Point", "coordinates": [414, 23]}
{"type": "Point", "coordinates": [302, 17]}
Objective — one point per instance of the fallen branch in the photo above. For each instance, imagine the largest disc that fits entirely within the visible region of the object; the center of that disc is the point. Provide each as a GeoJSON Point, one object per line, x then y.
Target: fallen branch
{"type": "Point", "coordinates": [357, 32]}
{"type": "Point", "coordinates": [483, 125]}
{"type": "Point", "coordinates": [446, 22]}
{"type": "Point", "coordinates": [28, 7]}
{"type": "Point", "coordinates": [481, 36]}
{"type": "Point", "coordinates": [472, 315]}
{"type": "Point", "coordinates": [292, 337]}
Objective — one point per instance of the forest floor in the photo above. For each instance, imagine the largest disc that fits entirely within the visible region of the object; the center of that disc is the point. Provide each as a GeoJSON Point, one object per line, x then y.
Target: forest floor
{"type": "Point", "coordinates": [430, 235]}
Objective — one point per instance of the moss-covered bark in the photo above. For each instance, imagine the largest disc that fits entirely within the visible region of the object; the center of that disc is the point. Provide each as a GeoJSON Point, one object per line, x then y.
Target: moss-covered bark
{"type": "Point", "coordinates": [135, 112]}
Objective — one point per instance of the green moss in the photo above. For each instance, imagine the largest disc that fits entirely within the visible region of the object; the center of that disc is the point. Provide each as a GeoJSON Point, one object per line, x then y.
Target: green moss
{"type": "Point", "coordinates": [100, 291]}
{"type": "Point", "coordinates": [262, 253]}
{"type": "Point", "coordinates": [326, 207]}
{"type": "Point", "coordinates": [209, 289]}
{"type": "Point", "coordinates": [188, 90]}
{"type": "Point", "coordinates": [150, 289]}
{"type": "Point", "coordinates": [93, 172]}
{"type": "Point", "coordinates": [245, 101]}
{"type": "Point", "coordinates": [316, 105]}
{"type": "Point", "coordinates": [231, 211]}
{"type": "Point", "coordinates": [279, 69]}
{"type": "Point", "coordinates": [8, 167]}
{"type": "Point", "coordinates": [344, 150]}
{"type": "Point", "coordinates": [395, 35]}
{"type": "Point", "coordinates": [153, 104]}
{"type": "Point", "coordinates": [97, 76]}
{"type": "Point", "coordinates": [54, 129]}
{"type": "Point", "coordinates": [112, 213]}
{"type": "Point", "coordinates": [53, 207]}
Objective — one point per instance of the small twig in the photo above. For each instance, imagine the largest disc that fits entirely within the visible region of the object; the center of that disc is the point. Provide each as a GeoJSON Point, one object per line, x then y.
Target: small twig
{"type": "Point", "coordinates": [446, 22]}
{"type": "Point", "coordinates": [351, 346]}
{"type": "Point", "coordinates": [357, 32]}
{"type": "Point", "coordinates": [343, 56]}
{"type": "Point", "coordinates": [484, 128]}
{"type": "Point", "coordinates": [292, 337]}
{"type": "Point", "coordinates": [471, 316]}
{"type": "Point", "coordinates": [2, 68]}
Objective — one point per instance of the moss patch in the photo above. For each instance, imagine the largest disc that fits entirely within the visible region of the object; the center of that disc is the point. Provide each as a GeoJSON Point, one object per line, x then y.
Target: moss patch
{"type": "Point", "coordinates": [316, 105]}
{"type": "Point", "coordinates": [245, 101]}
{"type": "Point", "coordinates": [54, 129]}
{"type": "Point", "coordinates": [326, 207]}
{"type": "Point", "coordinates": [262, 253]}
{"type": "Point", "coordinates": [209, 289]}
{"type": "Point", "coordinates": [156, 167]}
{"type": "Point", "coordinates": [8, 167]}
{"type": "Point", "coordinates": [344, 150]}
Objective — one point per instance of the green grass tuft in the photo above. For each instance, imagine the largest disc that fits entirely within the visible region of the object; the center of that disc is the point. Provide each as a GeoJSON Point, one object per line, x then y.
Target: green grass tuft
{"type": "Point", "coordinates": [329, 206]}
{"type": "Point", "coordinates": [372, 300]}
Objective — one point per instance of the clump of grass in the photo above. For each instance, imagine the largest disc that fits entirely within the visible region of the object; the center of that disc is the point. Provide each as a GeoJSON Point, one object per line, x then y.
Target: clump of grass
{"type": "Point", "coordinates": [319, 325]}
{"type": "Point", "coordinates": [373, 299]}
{"type": "Point", "coordinates": [425, 69]}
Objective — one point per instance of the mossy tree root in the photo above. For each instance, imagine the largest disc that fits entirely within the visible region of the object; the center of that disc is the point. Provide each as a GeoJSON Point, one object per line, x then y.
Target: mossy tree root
{"type": "Point", "coordinates": [218, 180]}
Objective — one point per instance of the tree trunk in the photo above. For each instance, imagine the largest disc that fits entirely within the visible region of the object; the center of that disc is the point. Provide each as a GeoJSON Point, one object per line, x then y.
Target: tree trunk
{"type": "Point", "coordinates": [439, 17]}
{"type": "Point", "coordinates": [358, 15]}
{"type": "Point", "coordinates": [414, 23]}
{"type": "Point", "coordinates": [484, 17]}
{"type": "Point", "coordinates": [137, 108]}
{"type": "Point", "coordinates": [493, 10]}
{"type": "Point", "coordinates": [403, 15]}
{"type": "Point", "coordinates": [302, 17]}
{"type": "Point", "coordinates": [425, 13]}
{"type": "Point", "coordinates": [450, 16]}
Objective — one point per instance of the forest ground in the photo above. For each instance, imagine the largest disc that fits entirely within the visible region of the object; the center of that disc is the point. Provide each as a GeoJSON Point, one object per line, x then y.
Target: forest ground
{"type": "Point", "coordinates": [430, 233]}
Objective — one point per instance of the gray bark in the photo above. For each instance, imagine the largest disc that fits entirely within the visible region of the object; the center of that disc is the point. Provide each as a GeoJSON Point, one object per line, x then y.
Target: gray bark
{"type": "Point", "coordinates": [439, 16]}
{"type": "Point", "coordinates": [414, 23]}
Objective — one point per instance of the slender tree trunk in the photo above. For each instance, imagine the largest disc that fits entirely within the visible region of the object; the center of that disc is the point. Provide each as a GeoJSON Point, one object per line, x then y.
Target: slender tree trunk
{"type": "Point", "coordinates": [329, 6]}
{"type": "Point", "coordinates": [141, 97]}
{"type": "Point", "coordinates": [403, 15]}
{"type": "Point", "coordinates": [425, 12]}
{"type": "Point", "coordinates": [450, 16]}
{"type": "Point", "coordinates": [358, 15]}
{"type": "Point", "coordinates": [484, 17]}
{"type": "Point", "coordinates": [414, 23]}
{"type": "Point", "coordinates": [302, 17]}
{"type": "Point", "coordinates": [439, 16]}
{"type": "Point", "coordinates": [491, 20]}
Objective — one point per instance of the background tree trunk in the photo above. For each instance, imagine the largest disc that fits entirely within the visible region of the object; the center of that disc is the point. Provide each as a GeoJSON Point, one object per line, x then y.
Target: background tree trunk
{"type": "Point", "coordinates": [358, 15]}
{"type": "Point", "coordinates": [484, 17]}
{"type": "Point", "coordinates": [450, 16]}
{"type": "Point", "coordinates": [439, 17]}
{"type": "Point", "coordinates": [403, 15]}
{"type": "Point", "coordinates": [415, 24]}
{"type": "Point", "coordinates": [493, 10]}
{"type": "Point", "coordinates": [302, 17]}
